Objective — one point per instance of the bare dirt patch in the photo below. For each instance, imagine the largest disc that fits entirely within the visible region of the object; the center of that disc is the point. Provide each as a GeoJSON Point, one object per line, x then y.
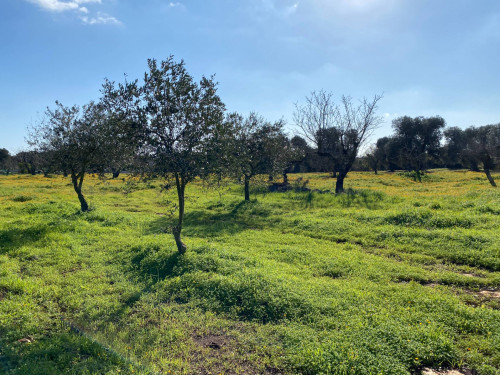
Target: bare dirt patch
{"type": "Point", "coordinates": [212, 341]}
{"type": "Point", "coordinates": [489, 298]}
{"type": "Point", "coordinates": [490, 293]}
{"type": "Point", "coordinates": [428, 371]}
{"type": "Point", "coordinates": [223, 354]}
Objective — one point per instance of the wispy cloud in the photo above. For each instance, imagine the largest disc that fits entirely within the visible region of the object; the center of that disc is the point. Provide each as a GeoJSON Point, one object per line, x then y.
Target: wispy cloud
{"type": "Point", "coordinates": [62, 6]}
{"type": "Point", "coordinates": [102, 19]}
{"type": "Point", "coordinates": [59, 6]}
{"type": "Point", "coordinates": [171, 5]}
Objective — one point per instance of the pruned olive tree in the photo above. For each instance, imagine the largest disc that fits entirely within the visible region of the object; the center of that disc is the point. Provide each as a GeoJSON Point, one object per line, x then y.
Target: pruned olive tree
{"type": "Point", "coordinates": [181, 118]}
{"type": "Point", "coordinates": [483, 145]}
{"type": "Point", "coordinates": [338, 130]}
{"type": "Point", "coordinates": [419, 140]}
{"type": "Point", "coordinates": [259, 147]}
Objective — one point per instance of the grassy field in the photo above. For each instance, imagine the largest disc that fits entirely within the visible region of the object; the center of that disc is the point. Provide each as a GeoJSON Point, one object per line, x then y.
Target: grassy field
{"type": "Point", "coordinates": [390, 278]}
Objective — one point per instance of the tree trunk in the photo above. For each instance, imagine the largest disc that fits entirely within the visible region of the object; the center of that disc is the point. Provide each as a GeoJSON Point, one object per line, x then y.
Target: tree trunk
{"type": "Point", "coordinates": [285, 178]}
{"type": "Point", "coordinates": [375, 170]}
{"type": "Point", "coordinates": [339, 186]}
{"type": "Point", "coordinates": [247, 188]}
{"type": "Point", "coordinates": [418, 175]}
{"type": "Point", "coordinates": [490, 178]}
{"type": "Point", "coordinates": [77, 185]}
{"type": "Point", "coordinates": [176, 231]}
{"type": "Point", "coordinates": [334, 173]}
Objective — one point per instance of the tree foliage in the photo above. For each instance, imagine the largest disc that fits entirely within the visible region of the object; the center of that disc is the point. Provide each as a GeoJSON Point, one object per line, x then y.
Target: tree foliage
{"type": "Point", "coordinates": [260, 147]}
{"type": "Point", "coordinates": [418, 140]}
{"type": "Point", "coordinates": [181, 121]}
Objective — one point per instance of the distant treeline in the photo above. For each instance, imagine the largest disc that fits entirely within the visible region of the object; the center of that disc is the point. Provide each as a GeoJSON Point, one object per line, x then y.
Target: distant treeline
{"type": "Point", "coordinates": [473, 148]}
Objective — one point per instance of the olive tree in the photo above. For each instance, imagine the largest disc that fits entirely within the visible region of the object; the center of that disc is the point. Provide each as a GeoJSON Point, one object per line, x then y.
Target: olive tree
{"type": "Point", "coordinates": [181, 120]}
{"type": "Point", "coordinates": [121, 105]}
{"type": "Point", "coordinates": [419, 140]}
{"type": "Point", "coordinates": [483, 145]}
{"type": "Point", "coordinates": [259, 147]}
{"type": "Point", "coordinates": [338, 130]}
{"type": "Point", "coordinates": [79, 140]}
{"type": "Point", "coordinates": [72, 137]}
{"type": "Point", "coordinates": [5, 160]}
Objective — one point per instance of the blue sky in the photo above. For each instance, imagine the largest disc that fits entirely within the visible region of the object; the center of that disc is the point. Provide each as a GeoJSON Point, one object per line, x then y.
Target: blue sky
{"type": "Point", "coordinates": [428, 57]}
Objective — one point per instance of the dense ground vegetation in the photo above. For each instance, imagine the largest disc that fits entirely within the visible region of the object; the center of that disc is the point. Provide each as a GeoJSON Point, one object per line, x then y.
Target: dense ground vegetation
{"type": "Point", "coordinates": [389, 278]}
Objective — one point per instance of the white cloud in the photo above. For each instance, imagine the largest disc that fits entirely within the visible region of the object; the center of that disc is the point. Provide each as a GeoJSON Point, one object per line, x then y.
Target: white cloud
{"type": "Point", "coordinates": [101, 19]}
{"type": "Point", "coordinates": [55, 5]}
{"type": "Point", "coordinates": [171, 5]}
{"type": "Point", "coordinates": [60, 6]}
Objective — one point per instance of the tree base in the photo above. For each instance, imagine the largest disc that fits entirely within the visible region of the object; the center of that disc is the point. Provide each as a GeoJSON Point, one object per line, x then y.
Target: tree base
{"type": "Point", "coordinates": [181, 247]}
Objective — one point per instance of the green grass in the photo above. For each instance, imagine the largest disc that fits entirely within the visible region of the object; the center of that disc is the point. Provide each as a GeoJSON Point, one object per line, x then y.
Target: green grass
{"type": "Point", "coordinates": [384, 279]}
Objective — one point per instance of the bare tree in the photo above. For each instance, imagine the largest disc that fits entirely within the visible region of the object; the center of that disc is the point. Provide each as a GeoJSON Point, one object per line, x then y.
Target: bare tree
{"type": "Point", "coordinates": [337, 130]}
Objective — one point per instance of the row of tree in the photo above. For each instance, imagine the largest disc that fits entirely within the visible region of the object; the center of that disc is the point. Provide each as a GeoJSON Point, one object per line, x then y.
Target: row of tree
{"type": "Point", "coordinates": [173, 127]}
{"type": "Point", "coordinates": [416, 145]}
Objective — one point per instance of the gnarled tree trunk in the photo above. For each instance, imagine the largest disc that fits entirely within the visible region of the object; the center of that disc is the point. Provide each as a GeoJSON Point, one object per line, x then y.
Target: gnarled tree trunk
{"type": "Point", "coordinates": [176, 231]}
{"type": "Point", "coordinates": [339, 185]}
{"type": "Point", "coordinates": [77, 185]}
{"type": "Point", "coordinates": [490, 177]}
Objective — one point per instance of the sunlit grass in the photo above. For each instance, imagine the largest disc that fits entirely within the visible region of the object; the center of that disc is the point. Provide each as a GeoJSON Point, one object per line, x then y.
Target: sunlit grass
{"type": "Point", "coordinates": [383, 279]}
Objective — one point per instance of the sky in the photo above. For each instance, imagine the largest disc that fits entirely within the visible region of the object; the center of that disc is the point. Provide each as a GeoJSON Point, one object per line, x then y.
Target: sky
{"type": "Point", "coordinates": [427, 57]}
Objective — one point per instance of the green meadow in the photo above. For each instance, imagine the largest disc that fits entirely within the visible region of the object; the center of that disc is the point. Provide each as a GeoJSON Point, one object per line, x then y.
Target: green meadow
{"type": "Point", "coordinates": [392, 277]}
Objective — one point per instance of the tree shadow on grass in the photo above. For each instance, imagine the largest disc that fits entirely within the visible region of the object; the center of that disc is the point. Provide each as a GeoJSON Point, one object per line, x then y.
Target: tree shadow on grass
{"type": "Point", "coordinates": [151, 263]}
{"type": "Point", "coordinates": [14, 238]}
{"type": "Point", "coordinates": [62, 352]}
{"type": "Point", "coordinates": [207, 223]}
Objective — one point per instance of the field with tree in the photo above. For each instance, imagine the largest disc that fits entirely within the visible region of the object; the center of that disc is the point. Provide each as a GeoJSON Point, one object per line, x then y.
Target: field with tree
{"type": "Point", "coordinates": [390, 277]}
{"type": "Point", "coordinates": [202, 241]}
